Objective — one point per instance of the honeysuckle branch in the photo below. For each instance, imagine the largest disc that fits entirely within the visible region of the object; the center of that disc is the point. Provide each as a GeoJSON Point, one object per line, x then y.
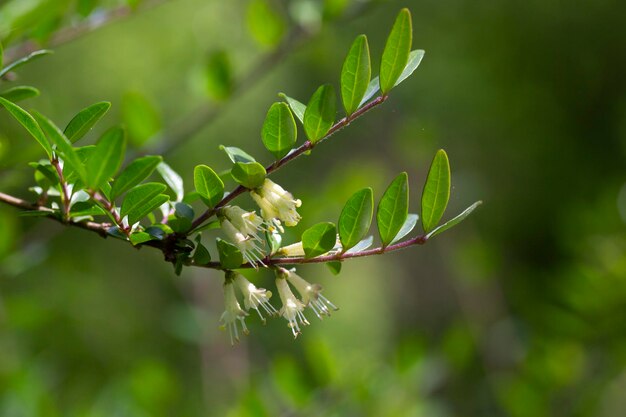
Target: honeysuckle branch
{"type": "Point", "coordinates": [270, 262]}
{"type": "Point", "coordinates": [110, 208]}
{"type": "Point", "coordinates": [100, 228]}
{"type": "Point", "coordinates": [90, 24]}
{"type": "Point", "coordinates": [305, 147]}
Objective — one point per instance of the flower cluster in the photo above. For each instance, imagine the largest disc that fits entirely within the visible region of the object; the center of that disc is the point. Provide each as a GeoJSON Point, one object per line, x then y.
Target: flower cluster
{"type": "Point", "coordinates": [277, 205]}
{"type": "Point", "coordinates": [258, 299]}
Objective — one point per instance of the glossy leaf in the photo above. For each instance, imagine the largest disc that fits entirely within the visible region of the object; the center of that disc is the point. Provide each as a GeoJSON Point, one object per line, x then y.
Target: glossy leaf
{"type": "Point", "coordinates": [20, 93]}
{"type": "Point", "coordinates": [28, 122]}
{"type": "Point", "coordinates": [319, 239]}
{"type": "Point", "coordinates": [265, 24]}
{"type": "Point", "coordinates": [436, 191]}
{"type": "Point", "coordinates": [453, 222]}
{"type": "Point", "coordinates": [201, 256]}
{"type": "Point", "coordinates": [372, 88]}
{"type": "Point", "coordinates": [107, 158]}
{"type": "Point", "coordinates": [16, 64]}
{"type": "Point", "coordinates": [82, 123]}
{"type": "Point", "coordinates": [143, 200]}
{"type": "Point", "coordinates": [208, 185]}
{"type": "Point", "coordinates": [134, 173]}
{"type": "Point", "coordinates": [334, 267]}
{"type": "Point", "coordinates": [296, 107]}
{"type": "Point", "coordinates": [355, 74]}
{"type": "Point", "coordinates": [230, 255]}
{"type": "Point", "coordinates": [396, 53]}
{"type": "Point", "coordinates": [362, 245]}
{"type": "Point", "coordinates": [356, 218]}
{"type": "Point", "coordinates": [320, 113]}
{"type": "Point", "coordinates": [393, 208]}
{"type": "Point", "coordinates": [407, 227]}
{"type": "Point", "coordinates": [141, 118]}
{"type": "Point", "coordinates": [63, 145]}
{"type": "Point", "coordinates": [236, 154]}
{"type": "Point", "coordinates": [279, 130]}
{"type": "Point", "coordinates": [415, 58]}
{"type": "Point", "coordinates": [249, 174]}
{"type": "Point", "coordinates": [218, 76]}
{"type": "Point", "coordinates": [140, 237]}
{"type": "Point", "coordinates": [172, 179]}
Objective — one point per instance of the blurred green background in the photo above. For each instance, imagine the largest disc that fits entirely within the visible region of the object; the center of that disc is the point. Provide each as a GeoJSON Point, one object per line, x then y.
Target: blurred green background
{"type": "Point", "coordinates": [519, 311]}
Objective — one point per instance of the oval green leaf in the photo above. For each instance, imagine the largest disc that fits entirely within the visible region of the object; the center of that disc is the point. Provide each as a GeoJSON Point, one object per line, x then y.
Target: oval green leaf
{"type": "Point", "coordinates": [237, 155]}
{"type": "Point", "coordinates": [208, 184]}
{"type": "Point", "coordinates": [407, 227]}
{"type": "Point", "coordinates": [219, 76]}
{"type": "Point", "coordinates": [436, 191]}
{"type": "Point", "coordinates": [84, 120]}
{"type": "Point", "coordinates": [141, 118]}
{"type": "Point", "coordinates": [20, 93]}
{"type": "Point", "coordinates": [320, 113]}
{"type": "Point", "coordinates": [173, 179]}
{"type": "Point", "coordinates": [249, 174]}
{"type": "Point", "coordinates": [393, 208]}
{"type": "Point", "coordinates": [453, 222]}
{"type": "Point", "coordinates": [319, 239]}
{"type": "Point", "coordinates": [415, 58]}
{"type": "Point", "coordinates": [134, 173]}
{"type": "Point", "coordinates": [106, 158]}
{"type": "Point", "coordinates": [63, 145]}
{"type": "Point", "coordinates": [266, 25]}
{"type": "Point", "coordinates": [356, 218]}
{"type": "Point", "coordinates": [279, 130]}
{"type": "Point", "coordinates": [230, 255]}
{"type": "Point", "coordinates": [29, 123]}
{"type": "Point", "coordinates": [355, 74]}
{"type": "Point", "coordinates": [396, 52]}
{"type": "Point", "coordinates": [143, 200]}
{"type": "Point", "coordinates": [296, 107]}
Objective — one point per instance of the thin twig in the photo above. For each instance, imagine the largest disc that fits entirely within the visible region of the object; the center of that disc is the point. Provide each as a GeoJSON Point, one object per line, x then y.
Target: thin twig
{"type": "Point", "coordinates": [305, 147]}
{"type": "Point", "coordinates": [64, 188]}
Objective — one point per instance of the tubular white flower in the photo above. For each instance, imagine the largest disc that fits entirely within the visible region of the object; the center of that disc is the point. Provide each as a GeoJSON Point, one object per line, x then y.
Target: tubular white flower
{"type": "Point", "coordinates": [292, 307]}
{"type": "Point", "coordinates": [311, 295]}
{"type": "Point", "coordinates": [276, 203]}
{"type": "Point", "coordinates": [247, 222]}
{"type": "Point", "coordinates": [254, 297]}
{"type": "Point", "coordinates": [250, 246]}
{"type": "Point", "coordinates": [232, 314]}
{"type": "Point", "coordinates": [296, 250]}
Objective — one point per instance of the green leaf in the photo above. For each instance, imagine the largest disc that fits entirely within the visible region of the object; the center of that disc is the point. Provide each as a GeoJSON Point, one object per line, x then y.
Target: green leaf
{"type": "Point", "coordinates": [172, 179]}
{"type": "Point", "coordinates": [84, 153]}
{"type": "Point", "coordinates": [82, 123]}
{"type": "Point", "coordinates": [393, 208]}
{"type": "Point", "coordinates": [107, 158]}
{"type": "Point", "coordinates": [218, 76]}
{"type": "Point", "coordinates": [319, 239]}
{"type": "Point", "coordinates": [355, 74]}
{"type": "Point", "coordinates": [436, 191]}
{"type": "Point", "coordinates": [64, 146]}
{"type": "Point", "coordinates": [372, 88]}
{"type": "Point", "coordinates": [396, 52]}
{"type": "Point", "coordinates": [29, 123]}
{"type": "Point", "coordinates": [236, 154]}
{"type": "Point", "coordinates": [415, 58]}
{"type": "Point", "coordinates": [249, 174]}
{"type": "Point", "coordinates": [32, 56]}
{"type": "Point", "coordinates": [274, 240]}
{"type": "Point", "coordinates": [184, 211]}
{"type": "Point", "coordinates": [334, 266]}
{"type": "Point", "coordinates": [134, 173]}
{"type": "Point", "coordinates": [19, 93]}
{"type": "Point", "coordinates": [362, 245]}
{"type": "Point", "coordinates": [208, 184]}
{"type": "Point", "coordinates": [356, 218]}
{"type": "Point", "coordinates": [407, 227]}
{"type": "Point", "coordinates": [201, 256]}
{"type": "Point", "coordinates": [453, 222]}
{"type": "Point", "coordinates": [230, 255]}
{"type": "Point", "coordinates": [265, 24]}
{"type": "Point", "coordinates": [320, 113]}
{"type": "Point", "coordinates": [143, 200]}
{"type": "Point", "coordinates": [140, 237]}
{"type": "Point", "coordinates": [141, 118]}
{"type": "Point", "coordinates": [279, 130]}
{"type": "Point", "coordinates": [296, 107]}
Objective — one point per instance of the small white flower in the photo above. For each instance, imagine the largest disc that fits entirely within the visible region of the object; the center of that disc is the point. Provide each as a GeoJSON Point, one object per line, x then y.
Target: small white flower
{"type": "Point", "coordinates": [250, 246]}
{"type": "Point", "coordinates": [311, 295]}
{"type": "Point", "coordinates": [247, 222]}
{"type": "Point", "coordinates": [296, 250]}
{"type": "Point", "coordinates": [254, 297]}
{"type": "Point", "coordinates": [276, 204]}
{"type": "Point", "coordinates": [232, 313]}
{"type": "Point", "coordinates": [292, 307]}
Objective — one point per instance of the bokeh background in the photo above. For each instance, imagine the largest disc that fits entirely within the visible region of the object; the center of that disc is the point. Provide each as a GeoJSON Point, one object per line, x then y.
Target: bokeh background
{"type": "Point", "coordinates": [519, 311]}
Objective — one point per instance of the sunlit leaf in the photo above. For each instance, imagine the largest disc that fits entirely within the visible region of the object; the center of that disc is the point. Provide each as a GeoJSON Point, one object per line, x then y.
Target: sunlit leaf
{"type": "Point", "coordinates": [82, 123]}
{"type": "Point", "coordinates": [249, 174]}
{"type": "Point", "coordinates": [19, 93]}
{"type": "Point", "coordinates": [134, 173]}
{"type": "Point", "coordinates": [236, 154]}
{"type": "Point", "coordinates": [320, 113]}
{"type": "Point", "coordinates": [355, 74]}
{"type": "Point", "coordinates": [279, 130]}
{"type": "Point", "coordinates": [208, 185]}
{"type": "Point", "coordinates": [407, 227]}
{"type": "Point", "coordinates": [356, 218]}
{"type": "Point", "coordinates": [453, 222]}
{"type": "Point", "coordinates": [29, 123]}
{"type": "Point", "coordinates": [436, 191]}
{"type": "Point", "coordinates": [296, 107]}
{"type": "Point", "coordinates": [393, 208]}
{"type": "Point", "coordinates": [107, 158]}
{"type": "Point", "coordinates": [172, 179]}
{"type": "Point", "coordinates": [143, 200]}
{"type": "Point", "coordinates": [319, 239]}
{"type": "Point", "coordinates": [396, 53]}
